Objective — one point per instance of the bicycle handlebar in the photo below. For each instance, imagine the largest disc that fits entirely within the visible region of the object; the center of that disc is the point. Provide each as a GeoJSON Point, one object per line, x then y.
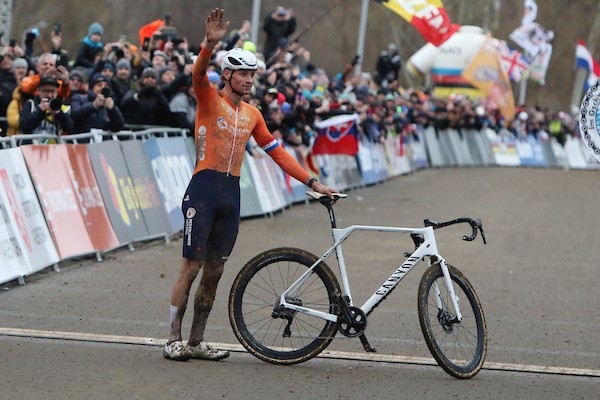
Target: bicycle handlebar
{"type": "Point", "coordinates": [475, 225]}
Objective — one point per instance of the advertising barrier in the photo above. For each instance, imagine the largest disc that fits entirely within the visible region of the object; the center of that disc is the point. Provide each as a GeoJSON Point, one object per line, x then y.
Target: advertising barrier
{"type": "Point", "coordinates": [25, 242]}
{"type": "Point", "coordinates": [118, 189]}
{"type": "Point", "coordinates": [146, 188]}
{"type": "Point", "coordinates": [70, 198]}
{"type": "Point", "coordinates": [172, 169]}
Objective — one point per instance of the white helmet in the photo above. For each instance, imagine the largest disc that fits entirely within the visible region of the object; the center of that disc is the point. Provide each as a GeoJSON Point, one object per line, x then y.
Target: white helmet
{"type": "Point", "coordinates": [239, 58]}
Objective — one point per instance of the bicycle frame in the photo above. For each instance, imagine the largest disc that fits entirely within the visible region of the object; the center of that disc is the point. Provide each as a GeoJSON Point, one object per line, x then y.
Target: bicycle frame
{"type": "Point", "coordinates": [428, 248]}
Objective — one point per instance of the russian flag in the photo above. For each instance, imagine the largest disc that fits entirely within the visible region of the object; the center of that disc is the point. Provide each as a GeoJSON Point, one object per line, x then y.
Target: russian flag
{"type": "Point", "coordinates": [337, 135]}
{"type": "Point", "coordinates": [585, 60]}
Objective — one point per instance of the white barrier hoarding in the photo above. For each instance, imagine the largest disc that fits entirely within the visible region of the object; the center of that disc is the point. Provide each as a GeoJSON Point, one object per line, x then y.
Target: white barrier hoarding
{"type": "Point", "coordinates": [26, 240]}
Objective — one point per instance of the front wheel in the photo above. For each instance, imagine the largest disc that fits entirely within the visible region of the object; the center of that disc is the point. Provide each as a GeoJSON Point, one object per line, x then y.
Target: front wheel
{"type": "Point", "coordinates": [459, 347]}
{"type": "Point", "coordinates": [273, 334]}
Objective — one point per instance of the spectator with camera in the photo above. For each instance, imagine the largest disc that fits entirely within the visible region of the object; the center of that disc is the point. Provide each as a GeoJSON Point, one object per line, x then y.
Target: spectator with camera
{"type": "Point", "coordinates": [62, 56]}
{"type": "Point", "coordinates": [45, 113]}
{"type": "Point", "coordinates": [97, 108]}
{"type": "Point", "coordinates": [46, 67]}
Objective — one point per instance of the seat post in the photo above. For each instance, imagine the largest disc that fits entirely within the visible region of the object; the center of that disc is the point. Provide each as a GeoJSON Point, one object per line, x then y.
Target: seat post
{"type": "Point", "coordinates": [328, 203]}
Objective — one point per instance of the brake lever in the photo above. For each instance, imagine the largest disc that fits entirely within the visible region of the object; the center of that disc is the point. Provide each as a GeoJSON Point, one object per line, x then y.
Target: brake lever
{"type": "Point", "coordinates": [475, 224]}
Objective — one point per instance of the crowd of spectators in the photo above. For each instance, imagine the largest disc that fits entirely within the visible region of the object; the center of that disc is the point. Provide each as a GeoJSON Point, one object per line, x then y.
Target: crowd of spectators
{"type": "Point", "coordinates": [115, 84]}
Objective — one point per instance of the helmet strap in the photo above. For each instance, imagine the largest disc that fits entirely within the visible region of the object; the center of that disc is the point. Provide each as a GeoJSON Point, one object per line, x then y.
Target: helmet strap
{"type": "Point", "coordinates": [231, 86]}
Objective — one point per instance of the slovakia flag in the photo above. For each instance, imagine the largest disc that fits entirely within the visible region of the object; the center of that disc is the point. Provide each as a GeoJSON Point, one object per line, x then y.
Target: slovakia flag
{"type": "Point", "coordinates": [585, 60]}
{"type": "Point", "coordinates": [337, 135]}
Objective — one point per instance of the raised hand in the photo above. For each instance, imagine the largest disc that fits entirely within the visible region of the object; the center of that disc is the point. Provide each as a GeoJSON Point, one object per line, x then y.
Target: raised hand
{"type": "Point", "coordinates": [215, 27]}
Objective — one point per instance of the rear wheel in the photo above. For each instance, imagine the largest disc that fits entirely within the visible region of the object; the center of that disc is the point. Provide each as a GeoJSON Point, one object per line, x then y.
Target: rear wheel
{"type": "Point", "coordinates": [275, 335]}
{"type": "Point", "coordinates": [459, 347]}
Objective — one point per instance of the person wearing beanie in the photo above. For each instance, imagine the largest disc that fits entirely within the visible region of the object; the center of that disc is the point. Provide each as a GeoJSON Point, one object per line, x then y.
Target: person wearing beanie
{"type": "Point", "coordinates": [9, 82]}
{"type": "Point", "coordinates": [78, 82]}
{"type": "Point", "coordinates": [159, 59]}
{"type": "Point", "coordinates": [123, 81]}
{"type": "Point", "coordinates": [90, 46]}
{"type": "Point", "coordinates": [96, 109]}
{"type": "Point", "coordinates": [172, 83]}
{"type": "Point", "coordinates": [20, 63]}
{"type": "Point", "coordinates": [108, 69]}
{"type": "Point", "coordinates": [148, 105]}
{"type": "Point", "coordinates": [124, 63]}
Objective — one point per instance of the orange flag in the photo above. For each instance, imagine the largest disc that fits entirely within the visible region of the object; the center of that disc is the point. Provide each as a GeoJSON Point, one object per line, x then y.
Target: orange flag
{"type": "Point", "coordinates": [485, 73]}
{"type": "Point", "coordinates": [147, 30]}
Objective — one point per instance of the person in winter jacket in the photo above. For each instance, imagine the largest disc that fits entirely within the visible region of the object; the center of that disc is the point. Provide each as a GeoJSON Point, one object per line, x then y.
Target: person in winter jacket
{"type": "Point", "coordinates": [45, 113]}
{"type": "Point", "coordinates": [148, 106]}
{"type": "Point", "coordinates": [96, 109]}
{"type": "Point", "coordinates": [90, 47]}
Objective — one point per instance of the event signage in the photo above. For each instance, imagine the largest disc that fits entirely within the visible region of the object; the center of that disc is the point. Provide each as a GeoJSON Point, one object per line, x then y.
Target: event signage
{"type": "Point", "coordinates": [589, 118]}
{"type": "Point", "coordinates": [118, 191]}
{"type": "Point", "coordinates": [172, 168]}
{"type": "Point", "coordinates": [31, 236]}
{"type": "Point", "coordinates": [146, 188]}
{"type": "Point", "coordinates": [70, 198]}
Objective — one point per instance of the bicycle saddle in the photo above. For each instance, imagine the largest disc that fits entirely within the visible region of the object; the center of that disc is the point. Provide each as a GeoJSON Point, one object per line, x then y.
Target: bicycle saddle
{"type": "Point", "coordinates": [319, 196]}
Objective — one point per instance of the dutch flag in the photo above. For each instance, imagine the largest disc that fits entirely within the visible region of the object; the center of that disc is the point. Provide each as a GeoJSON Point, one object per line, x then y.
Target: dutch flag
{"type": "Point", "coordinates": [585, 60]}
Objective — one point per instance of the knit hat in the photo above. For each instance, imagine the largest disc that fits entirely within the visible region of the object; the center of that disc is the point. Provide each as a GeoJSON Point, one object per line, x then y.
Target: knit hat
{"type": "Point", "coordinates": [250, 46]}
{"type": "Point", "coordinates": [124, 63]}
{"type": "Point", "coordinates": [97, 78]}
{"type": "Point", "coordinates": [95, 28]}
{"type": "Point", "coordinates": [149, 72]}
{"type": "Point", "coordinates": [20, 62]}
{"type": "Point", "coordinates": [163, 70]}
{"type": "Point", "coordinates": [78, 73]}
{"type": "Point", "coordinates": [161, 54]}
{"type": "Point", "coordinates": [109, 65]}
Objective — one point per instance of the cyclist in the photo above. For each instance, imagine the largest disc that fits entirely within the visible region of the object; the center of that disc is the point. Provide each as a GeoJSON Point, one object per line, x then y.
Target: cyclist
{"type": "Point", "coordinates": [211, 204]}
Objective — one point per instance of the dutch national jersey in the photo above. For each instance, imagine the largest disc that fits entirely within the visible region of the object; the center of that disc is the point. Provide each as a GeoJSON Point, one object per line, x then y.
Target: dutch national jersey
{"type": "Point", "coordinates": [222, 130]}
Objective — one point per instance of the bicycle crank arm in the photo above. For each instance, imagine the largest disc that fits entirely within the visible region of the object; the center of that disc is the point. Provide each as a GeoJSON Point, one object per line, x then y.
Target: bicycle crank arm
{"type": "Point", "coordinates": [366, 345]}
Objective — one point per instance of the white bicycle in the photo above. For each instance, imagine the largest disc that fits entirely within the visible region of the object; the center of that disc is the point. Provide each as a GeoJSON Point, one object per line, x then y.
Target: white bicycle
{"type": "Point", "coordinates": [286, 305]}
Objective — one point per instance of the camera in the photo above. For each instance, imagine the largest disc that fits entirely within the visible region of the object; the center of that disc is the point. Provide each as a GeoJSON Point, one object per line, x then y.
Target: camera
{"type": "Point", "coordinates": [55, 104]}
{"type": "Point", "coordinates": [105, 92]}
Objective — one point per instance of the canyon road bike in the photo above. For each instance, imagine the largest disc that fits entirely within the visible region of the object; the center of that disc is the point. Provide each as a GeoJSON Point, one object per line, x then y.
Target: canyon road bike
{"type": "Point", "coordinates": [286, 305]}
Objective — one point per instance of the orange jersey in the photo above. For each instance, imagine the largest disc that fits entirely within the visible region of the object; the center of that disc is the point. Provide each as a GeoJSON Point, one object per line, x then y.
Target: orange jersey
{"type": "Point", "coordinates": [222, 130]}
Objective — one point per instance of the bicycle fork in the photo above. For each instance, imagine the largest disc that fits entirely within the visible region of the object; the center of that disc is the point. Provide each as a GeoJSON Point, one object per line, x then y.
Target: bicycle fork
{"type": "Point", "coordinates": [444, 316]}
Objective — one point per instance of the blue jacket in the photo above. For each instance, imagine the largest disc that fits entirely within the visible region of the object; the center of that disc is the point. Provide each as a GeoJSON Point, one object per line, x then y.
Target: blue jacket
{"type": "Point", "coordinates": [86, 116]}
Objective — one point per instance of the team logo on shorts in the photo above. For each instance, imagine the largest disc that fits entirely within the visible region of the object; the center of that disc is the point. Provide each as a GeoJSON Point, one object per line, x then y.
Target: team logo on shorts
{"type": "Point", "coordinates": [222, 123]}
{"type": "Point", "coordinates": [190, 213]}
{"type": "Point", "coordinates": [589, 119]}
